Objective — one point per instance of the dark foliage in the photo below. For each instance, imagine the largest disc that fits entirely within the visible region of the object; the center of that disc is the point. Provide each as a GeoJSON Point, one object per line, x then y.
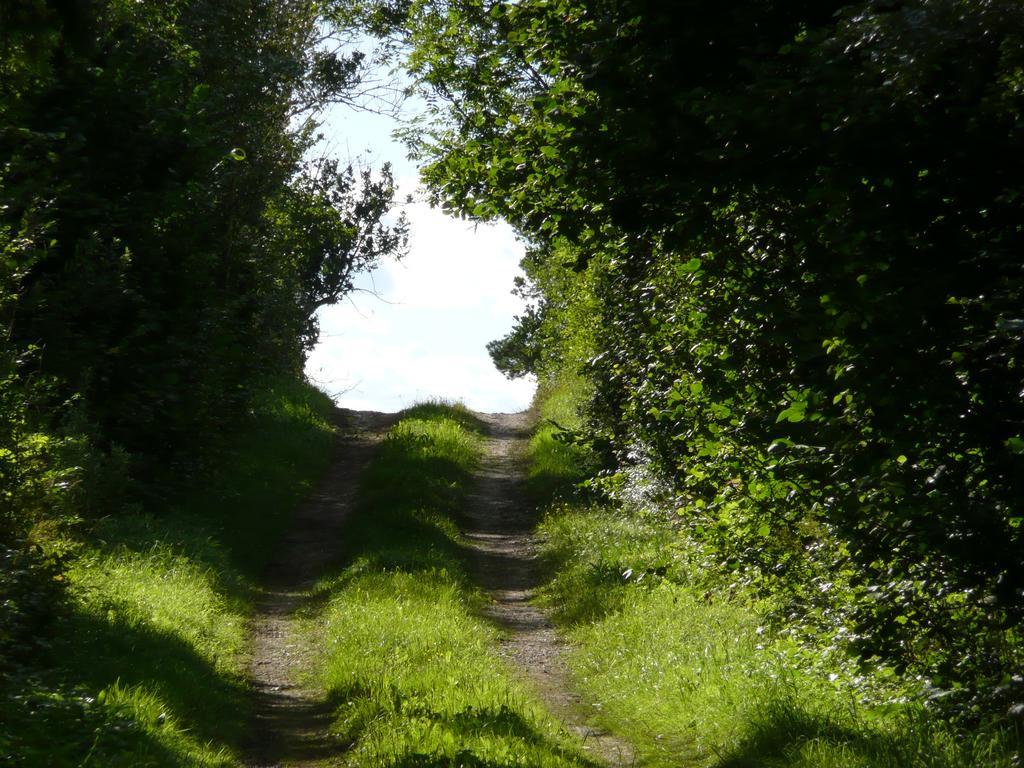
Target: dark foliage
{"type": "Point", "coordinates": [807, 217]}
{"type": "Point", "coordinates": [164, 241]}
{"type": "Point", "coordinates": [31, 592]}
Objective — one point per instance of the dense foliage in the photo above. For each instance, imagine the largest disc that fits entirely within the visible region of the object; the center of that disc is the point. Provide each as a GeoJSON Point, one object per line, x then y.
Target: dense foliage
{"type": "Point", "coordinates": [799, 226]}
{"type": "Point", "coordinates": [165, 235]}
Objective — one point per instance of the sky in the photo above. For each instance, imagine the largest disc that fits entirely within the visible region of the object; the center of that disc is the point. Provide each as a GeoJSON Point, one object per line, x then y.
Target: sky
{"type": "Point", "coordinates": [418, 328]}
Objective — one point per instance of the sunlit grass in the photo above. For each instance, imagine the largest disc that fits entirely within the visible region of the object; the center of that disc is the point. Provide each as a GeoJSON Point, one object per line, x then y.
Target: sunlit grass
{"type": "Point", "coordinates": [555, 466]}
{"type": "Point", "coordinates": [407, 663]}
{"type": "Point", "coordinates": [184, 588]}
{"type": "Point", "coordinates": [694, 677]}
{"type": "Point", "coordinates": [148, 664]}
{"type": "Point", "coordinates": [587, 589]}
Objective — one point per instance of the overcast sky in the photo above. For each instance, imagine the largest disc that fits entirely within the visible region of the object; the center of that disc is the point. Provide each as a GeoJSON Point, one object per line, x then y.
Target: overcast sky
{"type": "Point", "coordinates": [425, 336]}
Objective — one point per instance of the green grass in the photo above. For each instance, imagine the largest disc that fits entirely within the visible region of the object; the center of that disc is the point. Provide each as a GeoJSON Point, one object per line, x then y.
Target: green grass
{"type": "Point", "coordinates": [268, 467]}
{"type": "Point", "coordinates": [591, 549]}
{"type": "Point", "coordinates": [697, 678]}
{"type": "Point", "coordinates": [555, 466]}
{"type": "Point", "coordinates": [147, 665]}
{"type": "Point", "coordinates": [407, 664]}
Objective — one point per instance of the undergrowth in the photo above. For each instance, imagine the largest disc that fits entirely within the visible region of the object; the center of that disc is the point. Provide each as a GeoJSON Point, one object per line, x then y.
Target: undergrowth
{"type": "Point", "coordinates": [407, 664]}
{"type": "Point", "coordinates": [145, 660]}
{"type": "Point", "coordinates": [695, 673]}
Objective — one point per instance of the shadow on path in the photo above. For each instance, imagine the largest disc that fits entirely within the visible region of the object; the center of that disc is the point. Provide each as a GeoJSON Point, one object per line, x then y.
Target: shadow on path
{"type": "Point", "coordinates": [291, 723]}
{"type": "Point", "coordinates": [499, 526]}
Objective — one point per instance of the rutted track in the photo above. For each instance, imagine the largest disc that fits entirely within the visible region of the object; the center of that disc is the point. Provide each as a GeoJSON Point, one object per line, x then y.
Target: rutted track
{"type": "Point", "coordinates": [500, 528]}
{"type": "Point", "coordinates": [291, 722]}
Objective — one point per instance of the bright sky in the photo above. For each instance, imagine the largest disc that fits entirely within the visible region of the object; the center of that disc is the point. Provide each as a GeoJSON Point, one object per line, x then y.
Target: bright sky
{"type": "Point", "coordinates": [425, 336]}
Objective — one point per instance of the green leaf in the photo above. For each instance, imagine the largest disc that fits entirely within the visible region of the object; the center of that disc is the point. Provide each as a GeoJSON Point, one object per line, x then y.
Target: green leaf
{"type": "Point", "coordinates": [795, 413]}
{"type": "Point", "coordinates": [690, 266]}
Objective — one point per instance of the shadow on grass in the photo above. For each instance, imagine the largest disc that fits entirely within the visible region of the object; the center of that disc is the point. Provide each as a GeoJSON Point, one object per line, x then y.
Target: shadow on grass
{"type": "Point", "coordinates": [556, 468]}
{"type": "Point", "coordinates": [400, 479]}
{"type": "Point", "coordinates": [462, 758]}
{"type": "Point", "coordinates": [584, 595]}
{"type": "Point", "coordinates": [780, 730]}
{"type": "Point", "coordinates": [270, 468]}
{"type": "Point", "coordinates": [46, 725]}
{"type": "Point", "coordinates": [474, 722]}
{"type": "Point", "coordinates": [195, 539]}
{"type": "Point", "coordinates": [56, 722]}
{"type": "Point", "coordinates": [403, 520]}
{"type": "Point", "coordinates": [206, 703]}
{"type": "Point", "coordinates": [405, 513]}
{"type": "Point", "coordinates": [379, 543]}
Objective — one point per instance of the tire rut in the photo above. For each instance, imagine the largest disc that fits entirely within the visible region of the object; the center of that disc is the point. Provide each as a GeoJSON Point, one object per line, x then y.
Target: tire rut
{"type": "Point", "coordinates": [500, 532]}
{"type": "Point", "coordinates": [291, 724]}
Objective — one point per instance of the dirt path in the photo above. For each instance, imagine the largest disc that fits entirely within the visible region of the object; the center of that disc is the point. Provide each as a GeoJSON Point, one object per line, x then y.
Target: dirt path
{"type": "Point", "coordinates": [500, 532]}
{"type": "Point", "coordinates": [291, 726]}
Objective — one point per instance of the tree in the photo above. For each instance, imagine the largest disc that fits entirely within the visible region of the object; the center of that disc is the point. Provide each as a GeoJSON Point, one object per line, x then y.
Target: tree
{"type": "Point", "coordinates": [807, 220]}
{"type": "Point", "coordinates": [165, 242]}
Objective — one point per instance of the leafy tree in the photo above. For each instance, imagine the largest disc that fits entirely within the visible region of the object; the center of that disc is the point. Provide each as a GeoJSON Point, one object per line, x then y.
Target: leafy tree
{"type": "Point", "coordinates": [165, 243]}
{"type": "Point", "coordinates": [807, 220]}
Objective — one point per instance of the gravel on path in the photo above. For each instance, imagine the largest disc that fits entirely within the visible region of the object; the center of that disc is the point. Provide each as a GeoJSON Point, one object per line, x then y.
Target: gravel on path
{"type": "Point", "coordinates": [500, 530]}
{"type": "Point", "coordinates": [291, 723]}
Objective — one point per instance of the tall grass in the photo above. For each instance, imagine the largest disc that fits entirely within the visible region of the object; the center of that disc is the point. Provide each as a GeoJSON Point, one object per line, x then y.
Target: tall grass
{"type": "Point", "coordinates": [554, 463]}
{"type": "Point", "coordinates": [147, 663]}
{"type": "Point", "coordinates": [698, 678]}
{"type": "Point", "coordinates": [408, 666]}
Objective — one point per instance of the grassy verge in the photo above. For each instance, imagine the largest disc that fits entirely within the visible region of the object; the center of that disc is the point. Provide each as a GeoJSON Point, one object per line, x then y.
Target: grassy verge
{"type": "Point", "coordinates": [147, 663]}
{"type": "Point", "coordinates": [696, 677]}
{"type": "Point", "coordinates": [554, 464]}
{"type": "Point", "coordinates": [408, 666]}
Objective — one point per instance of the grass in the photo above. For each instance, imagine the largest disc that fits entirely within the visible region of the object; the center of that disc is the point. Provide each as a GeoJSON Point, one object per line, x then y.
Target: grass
{"type": "Point", "coordinates": [147, 664]}
{"type": "Point", "coordinates": [269, 466]}
{"type": "Point", "coordinates": [555, 465]}
{"type": "Point", "coordinates": [407, 664]}
{"type": "Point", "coordinates": [694, 677]}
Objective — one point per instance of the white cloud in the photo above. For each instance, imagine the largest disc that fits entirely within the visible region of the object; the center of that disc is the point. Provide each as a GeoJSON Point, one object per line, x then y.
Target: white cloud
{"type": "Point", "coordinates": [445, 301]}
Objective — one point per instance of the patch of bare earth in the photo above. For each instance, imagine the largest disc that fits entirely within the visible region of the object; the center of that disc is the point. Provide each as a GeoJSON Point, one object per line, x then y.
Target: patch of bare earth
{"type": "Point", "coordinates": [291, 726]}
{"type": "Point", "coordinates": [500, 525]}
